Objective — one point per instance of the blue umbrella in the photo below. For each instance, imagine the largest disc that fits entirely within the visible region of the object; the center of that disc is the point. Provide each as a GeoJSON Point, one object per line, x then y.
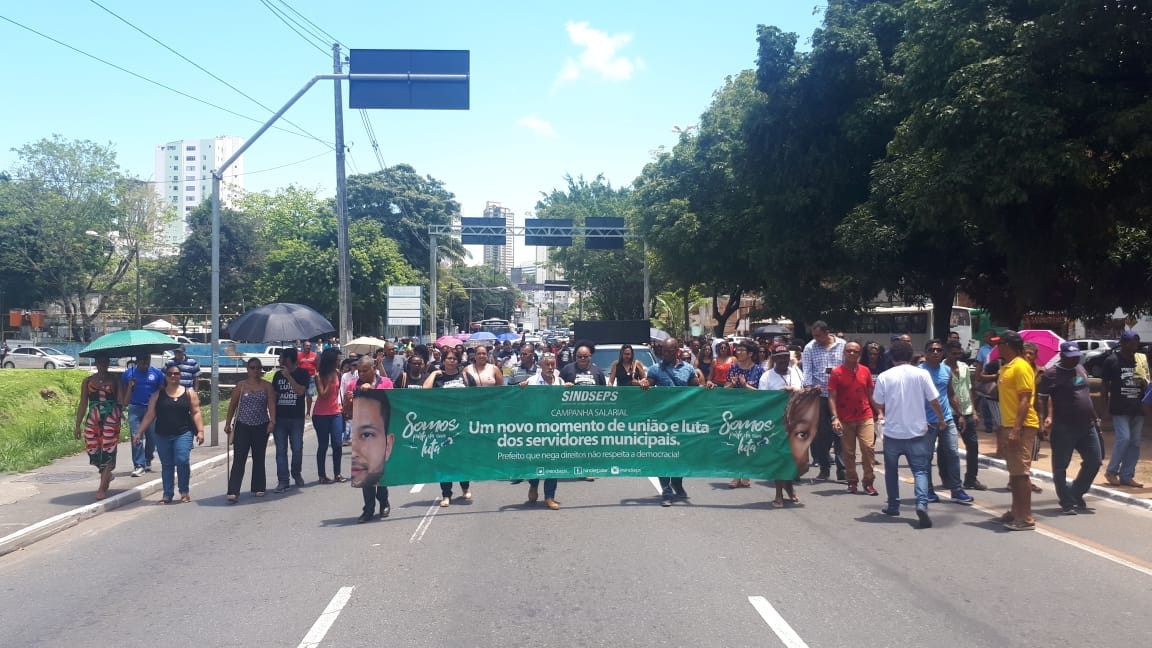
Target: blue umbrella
{"type": "Point", "coordinates": [482, 335]}
{"type": "Point", "coordinates": [508, 337]}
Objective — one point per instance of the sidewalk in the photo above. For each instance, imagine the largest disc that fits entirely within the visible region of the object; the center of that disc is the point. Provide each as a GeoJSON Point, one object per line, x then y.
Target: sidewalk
{"type": "Point", "coordinates": [39, 503]}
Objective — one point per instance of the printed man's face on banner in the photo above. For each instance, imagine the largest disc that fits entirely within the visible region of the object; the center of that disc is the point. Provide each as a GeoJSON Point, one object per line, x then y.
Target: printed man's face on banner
{"type": "Point", "coordinates": [371, 443]}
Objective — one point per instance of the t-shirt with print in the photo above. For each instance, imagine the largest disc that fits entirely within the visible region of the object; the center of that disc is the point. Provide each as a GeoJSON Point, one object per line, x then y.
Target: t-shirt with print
{"type": "Point", "coordinates": [148, 382]}
{"type": "Point", "coordinates": [962, 385]}
{"type": "Point", "coordinates": [852, 389]}
{"type": "Point", "coordinates": [941, 376]}
{"type": "Point", "coordinates": [1069, 397]}
{"type": "Point", "coordinates": [1124, 392]}
{"type": "Point", "coordinates": [593, 375]}
{"type": "Point", "coordinates": [1017, 377]}
{"type": "Point", "coordinates": [289, 404]}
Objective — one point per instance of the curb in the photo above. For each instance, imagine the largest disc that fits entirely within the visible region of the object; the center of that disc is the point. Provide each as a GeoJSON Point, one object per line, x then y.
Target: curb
{"type": "Point", "coordinates": [1098, 491]}
{"type": "Point", "coordinates": [57, 523]}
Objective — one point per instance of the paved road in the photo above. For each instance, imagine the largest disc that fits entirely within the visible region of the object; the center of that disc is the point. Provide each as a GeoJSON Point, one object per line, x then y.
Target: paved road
{"type": "Point", "coordinates": [611, 568]}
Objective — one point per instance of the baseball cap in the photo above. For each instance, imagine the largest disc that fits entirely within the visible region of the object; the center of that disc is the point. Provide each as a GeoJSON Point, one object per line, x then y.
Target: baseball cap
{"type": "Point", "coordinates": [1129, 335]}
{"type": "Point", "coordinates": [1008, 336]}
{"type": "Point", "coordinates": [780, 350]}
{"type": "Point", "coordinates": [1070, 350]}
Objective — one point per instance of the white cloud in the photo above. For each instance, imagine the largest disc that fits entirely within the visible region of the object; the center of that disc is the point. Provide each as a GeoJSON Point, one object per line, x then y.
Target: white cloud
{"type": "Point", "coordinates": [537, 125]}
{"type": "Point", "coordinates": [600, 56]}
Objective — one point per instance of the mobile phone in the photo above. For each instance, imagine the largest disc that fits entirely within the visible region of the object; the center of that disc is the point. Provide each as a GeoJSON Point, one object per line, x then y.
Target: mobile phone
{"type": "Point", "coordinates": [827, 370]}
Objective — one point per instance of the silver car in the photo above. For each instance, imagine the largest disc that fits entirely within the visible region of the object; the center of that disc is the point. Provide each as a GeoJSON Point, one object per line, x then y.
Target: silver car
{"type": "Point", "coordinates": [31, 357]}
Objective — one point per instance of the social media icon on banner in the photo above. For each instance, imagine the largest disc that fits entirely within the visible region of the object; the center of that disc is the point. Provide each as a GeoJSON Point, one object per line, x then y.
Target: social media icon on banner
{"type": "Point", "coordinates": [539, 471]}
{"type": "Point", "coordinates": [615, 470]}
{"type": "Point", "coordinates": [578, 470]}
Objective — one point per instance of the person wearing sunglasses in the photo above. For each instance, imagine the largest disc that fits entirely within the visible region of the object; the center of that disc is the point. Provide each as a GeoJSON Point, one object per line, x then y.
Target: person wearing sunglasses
{"type": "Point", "coordinates": [948, 441]}
{"type": "Point", "coordinates": [176, 411]}
{"type": "Point", "coordinates": [253, 410]}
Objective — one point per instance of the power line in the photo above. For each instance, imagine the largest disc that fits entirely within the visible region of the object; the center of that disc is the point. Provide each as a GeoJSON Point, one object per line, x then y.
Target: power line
{"type": "Point", "coordinates": [330, 37]}
{"type": "Point", "coordinates": [205, 71]}
{"type": "Point", "coordinates": [372, 137]}
{"type": "Point", "coordinates": [144, 78]}
{"type": "Point", "coordinates": [284, 18]}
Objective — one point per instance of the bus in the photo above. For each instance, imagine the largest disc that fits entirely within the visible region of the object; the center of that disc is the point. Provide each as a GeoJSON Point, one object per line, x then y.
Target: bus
{"type": "Point", "coordinates": [881, 323]}
{"type": "Point", "coordinates": [495, 326]}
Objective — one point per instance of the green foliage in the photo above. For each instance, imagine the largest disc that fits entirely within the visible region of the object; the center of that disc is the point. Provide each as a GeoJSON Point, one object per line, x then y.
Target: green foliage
{"type": "Point", "coordinates": [38, 416]}
{"type": "Point", "coordinates": [405, 204]}
{"type": "Point", "coordinates": [467, 290]}
{"type": "Point", "coordinates": [615, 278]}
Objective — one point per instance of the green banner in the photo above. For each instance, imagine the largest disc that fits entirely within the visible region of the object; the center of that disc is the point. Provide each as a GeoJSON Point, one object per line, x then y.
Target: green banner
{"type": "Point", "coordinates": [550, 432]}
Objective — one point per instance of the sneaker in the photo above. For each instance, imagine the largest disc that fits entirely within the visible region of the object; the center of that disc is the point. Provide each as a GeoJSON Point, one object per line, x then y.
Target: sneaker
{"type": "Point", "coordinates": [871, 490]}
{"type": "Point", "coordinates": [925, 521]}
{"type": "Point", "coordinates": [974, 484]}
{"type": "Point", "coordinates": [1020, 525]}
{"type": "Point", "coordinates": [933, 498]}
{"type": "Point", "coordinates": [468, 494]}
{"type": "Point", "coordinates": [823, 476]}
{"type": "Point", "coordinates": [299, 479]}
{"type": "Point", "coordinates": [364, 517]}
{"type": "Point", "coordinates": [148, 468]}
{"type": "Point", "coordinates": [281, 487]}
{"type": "Point", "coordinates": [889, 510]}
{"type": "Point", "coordinates": [681, 495]}
{"type": "Point", "coordinates": [1068, 510]}
{"type": "Point", "coordinates": [137, 471]}
{"type": "Point", "coordinates": [1080, 503]}
{"type": "Point", "coordinates": [385, 511]}
{"type": "Point", "coordinates": [1131, 483]}
{"type": "Point", "coordinates": [552, 504]}
{"type": "Point", "coordinates": [852, 488]}
{"type": "Point", "coordinates": [1112, 478]}
{"type": "Point", "coordinates": [666, 502]}
{"type": "Point", "coordinates": [445, 502]}
{"type": "Point", "coordinates": [960, 497]}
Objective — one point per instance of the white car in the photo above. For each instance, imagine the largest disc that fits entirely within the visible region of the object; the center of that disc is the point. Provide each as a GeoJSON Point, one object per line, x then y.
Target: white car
{"type": "Point", "coordinates": [32, 357]}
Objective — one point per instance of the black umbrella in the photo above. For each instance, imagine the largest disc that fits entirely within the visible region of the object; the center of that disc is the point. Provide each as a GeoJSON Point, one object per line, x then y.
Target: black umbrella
{"type": "Point", "coordinates": [279, 322]}
{"type": "Point", "coordinates": [770, 329]}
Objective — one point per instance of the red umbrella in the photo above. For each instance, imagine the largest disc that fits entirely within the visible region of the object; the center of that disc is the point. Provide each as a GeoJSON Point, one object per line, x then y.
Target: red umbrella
{"type": "Point", "coordinates": [1047, 346]}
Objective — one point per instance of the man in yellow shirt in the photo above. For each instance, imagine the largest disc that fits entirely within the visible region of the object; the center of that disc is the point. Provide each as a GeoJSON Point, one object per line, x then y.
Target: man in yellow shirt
{"type": "Point", "coordinates": [1019, 426]}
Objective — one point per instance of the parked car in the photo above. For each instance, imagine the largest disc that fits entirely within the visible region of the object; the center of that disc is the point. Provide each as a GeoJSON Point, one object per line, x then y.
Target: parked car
{"type": "Point", "coordinates": [33, 357]}
{"type": "Point", "coordinates": [270, 359]}
{"type": "Point", "coordinates": [1094, 352]}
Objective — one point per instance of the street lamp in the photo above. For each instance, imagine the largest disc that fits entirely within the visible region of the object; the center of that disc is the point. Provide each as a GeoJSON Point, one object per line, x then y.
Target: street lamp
{"type": "Point", "coordinates": [136, 255]}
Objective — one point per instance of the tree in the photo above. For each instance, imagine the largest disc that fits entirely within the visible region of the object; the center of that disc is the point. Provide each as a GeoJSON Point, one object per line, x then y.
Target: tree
{"type": "Point", "coordinates": [63, 190]}
{"type": "Point", "coordinates": [484, 286]}
{"type": "Point", "coordinates": [614, 279]}
{"type": "Point", "coordinates": [405, 204]}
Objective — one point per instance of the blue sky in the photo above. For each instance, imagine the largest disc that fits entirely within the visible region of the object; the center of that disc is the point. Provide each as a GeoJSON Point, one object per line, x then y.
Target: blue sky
{"type": "Point", "coordinates": [581, 88]}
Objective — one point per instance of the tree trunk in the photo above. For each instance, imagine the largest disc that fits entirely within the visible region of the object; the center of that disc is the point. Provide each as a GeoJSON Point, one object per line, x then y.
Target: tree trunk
{"type": "Point", "coordinates": [942, 297]}
{"type": "Point", "coordinates": [687, 327]}
{"type": "Point", "coordinates": [733, 306]}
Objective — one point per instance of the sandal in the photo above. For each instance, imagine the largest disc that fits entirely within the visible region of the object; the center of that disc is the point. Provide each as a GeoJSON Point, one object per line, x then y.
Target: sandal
{"type": "Point", "coordinates": [735, 483]}
{"type": "Point", "coordinates": [232, 499]}
{"type": "Point", "coordinates": [185, 498]}
{"type": "Point", "coordinates": [445, 502]}
{"type": "Point", "coordinates": [259, 493]}
{"type": "Point", "coordinates": [164, 500]}
{"type": "Point", "coordinates": [777, 503]}
{"type": "Point", "coordinates": [340, 479]}
{"type": "Point", "coordinates": [325, 480]}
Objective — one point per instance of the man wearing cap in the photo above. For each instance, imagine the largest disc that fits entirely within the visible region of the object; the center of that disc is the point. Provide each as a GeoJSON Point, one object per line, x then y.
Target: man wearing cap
{"type": "Point", "coordinates": [823, 353]}
{"type": "Point", "coordinates": [189, 368]}
{"type": "Point", "coordinates": [782, 374]}
{"type": "Point", "coordinates": [1064, 399]}
{"type": "Point", "coordinates": [1125, 378]}
{"type": "Point", "coordinates": [1019, 425]}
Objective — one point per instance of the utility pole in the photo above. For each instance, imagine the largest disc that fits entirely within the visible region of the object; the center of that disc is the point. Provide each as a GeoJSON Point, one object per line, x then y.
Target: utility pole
{"type": "Point", "coordinates": [136, 252]}
{"type": "Point", "coordinates": [341, 201]}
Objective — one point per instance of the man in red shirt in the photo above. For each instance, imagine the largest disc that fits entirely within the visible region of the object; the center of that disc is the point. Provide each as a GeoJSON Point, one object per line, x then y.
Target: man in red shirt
{"type": "Point", "coordinates": [850, 401]}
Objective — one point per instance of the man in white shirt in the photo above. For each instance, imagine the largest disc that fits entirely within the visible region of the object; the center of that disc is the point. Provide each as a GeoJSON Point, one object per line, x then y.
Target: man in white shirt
{"type": "Point", "coordinates": [902, 392]}
{"type": "Point", "coordinates": [782, 374]}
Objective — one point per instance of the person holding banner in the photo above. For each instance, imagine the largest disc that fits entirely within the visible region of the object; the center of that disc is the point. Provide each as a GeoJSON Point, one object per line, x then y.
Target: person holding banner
{"type": "Point", "coordinates": [447, 378]}
{"type": "Point", "coordinates": [367, 460]}
{"type": "Point", "coordinates": [583, 371]}
{"type": "Point", "coordinates": [371, 447]}
{"type": "Point", "coordinates": [546, 376]}
{"type": "Point", "coordinates": [784, 377]}
{"type": "Point", "coordinates": [671, 371]}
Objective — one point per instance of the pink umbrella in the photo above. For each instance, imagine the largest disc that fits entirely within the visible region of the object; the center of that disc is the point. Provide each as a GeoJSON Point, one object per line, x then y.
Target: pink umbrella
{"type": "Point", "coordinates": [1047, 346]}
{"type": "Point", "coordinates": [462, 336]}
{"type": "Point", "coordinates": [446, 340]}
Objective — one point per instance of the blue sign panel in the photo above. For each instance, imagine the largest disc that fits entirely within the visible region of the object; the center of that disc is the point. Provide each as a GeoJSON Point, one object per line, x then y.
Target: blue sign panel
{"type": "Point", "coordinates": [546, 232]}
{"type": "Point", "coordinates": [424, 79]}
{"type": "Point", "coordinates": [603, 233]}
{"type": "Point", "coordinates": [483, 231]}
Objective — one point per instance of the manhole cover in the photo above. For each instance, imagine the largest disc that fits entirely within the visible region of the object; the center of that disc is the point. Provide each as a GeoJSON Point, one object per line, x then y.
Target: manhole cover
{"type": "Point", "coordinates": [55, 478]}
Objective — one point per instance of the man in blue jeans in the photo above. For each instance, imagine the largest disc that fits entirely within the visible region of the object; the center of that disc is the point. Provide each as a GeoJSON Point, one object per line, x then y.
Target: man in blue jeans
{"type": "Point", "coordinates": [1064, 403]}
{"type": "Point", "coordinates": [901, 392]}
{"type": "Point", "coordinates": [290, 384]}
{"type": "Point", "coordinates": [948, 446]}
{"type": "Point", "coordinates": [671, 371]}
{"type": "Point", "coordinates": [1125, 380]}
{"type": "Point", "coordinates": [141, 381]}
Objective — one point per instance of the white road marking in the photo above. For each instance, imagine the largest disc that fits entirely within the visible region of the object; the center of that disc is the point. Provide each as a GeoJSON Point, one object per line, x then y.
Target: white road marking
{"type": "Point", "coordinates": [1119, 560]}
{"type": "Point", "coordinates": [327, 618]}
{"type": "Point", "coordinates": [416, 488]}
{"type": "Point", "coordinates": [656, 484]}
{"type": "Point", "coordinates": [784, 631]}
{"type": "Point", "coordinates": [426, 522]}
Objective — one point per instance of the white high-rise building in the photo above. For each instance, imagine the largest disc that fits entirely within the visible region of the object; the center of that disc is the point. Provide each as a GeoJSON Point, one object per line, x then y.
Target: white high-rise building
{"type": "Point", "coordinates": [183, 179]}
{"type": "Point", "coordinates": [499, 256]}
